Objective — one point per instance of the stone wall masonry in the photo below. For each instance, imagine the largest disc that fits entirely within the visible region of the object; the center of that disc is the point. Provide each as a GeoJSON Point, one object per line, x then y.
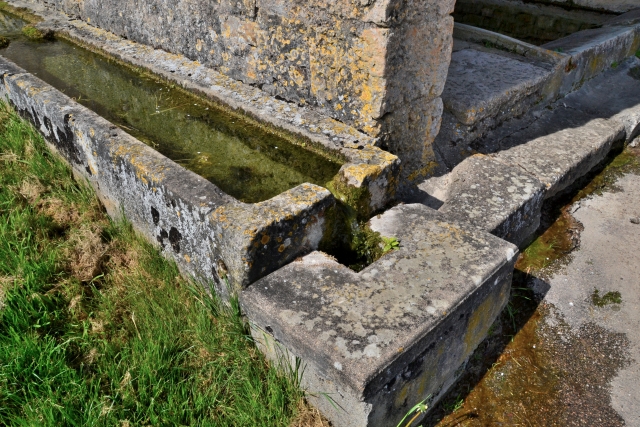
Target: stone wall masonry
{"type": "Point", "coordinates": [379, 65]}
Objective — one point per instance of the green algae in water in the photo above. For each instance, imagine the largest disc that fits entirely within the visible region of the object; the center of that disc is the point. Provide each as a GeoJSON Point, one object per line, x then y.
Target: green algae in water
{"type": "Point", "coordinates": [241, 159]}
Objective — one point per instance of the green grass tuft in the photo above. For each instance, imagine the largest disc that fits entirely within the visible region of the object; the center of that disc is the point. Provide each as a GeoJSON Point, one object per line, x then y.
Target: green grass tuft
{"type": "Point", "coordinates": [606, 299]}
{"type": "Point", "coordinates": [96, 328]}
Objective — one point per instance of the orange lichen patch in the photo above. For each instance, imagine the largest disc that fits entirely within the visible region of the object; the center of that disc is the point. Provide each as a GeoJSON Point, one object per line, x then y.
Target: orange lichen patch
{"type": "Point", "coordinates": [143, 169]}
{"type": "Point", "coordinates": [265, 239]}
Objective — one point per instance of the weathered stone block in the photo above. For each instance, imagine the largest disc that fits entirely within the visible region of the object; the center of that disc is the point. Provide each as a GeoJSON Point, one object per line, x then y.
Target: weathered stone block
{"type": "Point", "coordinates": [503, 200]}
{"type": "Point", "coordinates": [377, 342]}
{"type": "Point", "coordinates": [559, 159]}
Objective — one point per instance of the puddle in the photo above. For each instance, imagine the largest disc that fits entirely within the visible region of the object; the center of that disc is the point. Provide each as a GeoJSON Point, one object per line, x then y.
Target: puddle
{"type": "Point", "coordinates": [240, 158]}
{"type": "Point", "coordinates": [531, 23]}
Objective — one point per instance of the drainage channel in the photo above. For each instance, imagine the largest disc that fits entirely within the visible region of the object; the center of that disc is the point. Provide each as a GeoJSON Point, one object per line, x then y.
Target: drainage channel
{"type": "Point", "coordinates": [530, 22]}
{"type": "Point", "coordinates": [242, 159]}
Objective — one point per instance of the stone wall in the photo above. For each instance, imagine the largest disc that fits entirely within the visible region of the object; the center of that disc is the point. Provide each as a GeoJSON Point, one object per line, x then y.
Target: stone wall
{"type": "Point", "coordinates": [379, 65]}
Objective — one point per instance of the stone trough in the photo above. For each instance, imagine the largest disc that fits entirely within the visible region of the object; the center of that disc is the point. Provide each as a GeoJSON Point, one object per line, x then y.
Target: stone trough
{"type": "Point", "coordinates": [372, 343]}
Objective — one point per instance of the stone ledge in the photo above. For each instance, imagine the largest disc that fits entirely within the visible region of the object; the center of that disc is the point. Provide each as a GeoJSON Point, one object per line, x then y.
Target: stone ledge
{"type": "Point", "coordinates": [381, 340]}
{"type": "Point", "coordinates": [559, 159]}
{"type": "Point", "coordinates": [503, 200]}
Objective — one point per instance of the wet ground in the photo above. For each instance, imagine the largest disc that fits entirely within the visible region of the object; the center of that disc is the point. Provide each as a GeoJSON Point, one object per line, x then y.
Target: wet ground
{"type": "Point", "coordinates": [564, 351]}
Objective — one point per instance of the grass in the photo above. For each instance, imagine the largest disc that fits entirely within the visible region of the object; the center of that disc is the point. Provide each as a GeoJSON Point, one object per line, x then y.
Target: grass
{"type": "Point", "coordinates": [609, 298]}
{"type": "Point", "coordinates": [96, 328]}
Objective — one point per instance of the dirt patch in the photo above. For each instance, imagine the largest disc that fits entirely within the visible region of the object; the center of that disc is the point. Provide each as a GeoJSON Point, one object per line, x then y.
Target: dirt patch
{"type": "Point", "coordinates": [5, 282]}
{"type": "Point", "coordinates": [308, 416]}
{"type": "Point", "coordinates": [85, 252]}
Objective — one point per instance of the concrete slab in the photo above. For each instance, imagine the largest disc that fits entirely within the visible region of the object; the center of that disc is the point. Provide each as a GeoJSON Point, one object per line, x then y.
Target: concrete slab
{"type": "Point", "coordinates": [608, 260]}
{"type": "Point", "coordinates": [503, 200]}
{"type": "Point", "coordinates": [379, 341]}
{"type": "Point", "coordinates": [559, 159]}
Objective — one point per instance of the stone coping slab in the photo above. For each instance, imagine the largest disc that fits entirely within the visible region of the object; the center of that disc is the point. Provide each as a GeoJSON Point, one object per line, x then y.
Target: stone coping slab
{"type": "Point", "coordinates": [473, 34]}
{"type": "Point", "coordinates": [381, 340]}
{"type": "Point", "coordinates": [501, 199]}
{"type": "Point", "coordinates": [560, 158]}
{"type": "Point", "coordinates": [368, 179]}
{"type": "Point", "coordinates": [212, 236]}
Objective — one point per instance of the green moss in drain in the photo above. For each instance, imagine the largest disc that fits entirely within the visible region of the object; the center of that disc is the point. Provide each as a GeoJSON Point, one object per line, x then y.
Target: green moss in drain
{"type": "Point", "coordinates": [638, 53]}
{"type": "Point", "coordinates": [626, 162]}
{"type": "Point", "coordinates": [635, 73]}
{"type": "Point", "coordinates": [606, 299]}
{"type": "Point", "coordinates": [614, 65]}
{"type": "Point", "coordinates": [4, 42]}
{"type": "Point", "coordinates": [353, 243]}
{"type": "Point", "coordinates": [551, 246]}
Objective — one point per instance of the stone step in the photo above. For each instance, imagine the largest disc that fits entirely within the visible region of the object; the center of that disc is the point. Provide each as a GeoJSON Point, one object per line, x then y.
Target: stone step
{"type": "Point", "coordinates": [501, 199]}
{"type": "Point", "coordinates": [375, 343]}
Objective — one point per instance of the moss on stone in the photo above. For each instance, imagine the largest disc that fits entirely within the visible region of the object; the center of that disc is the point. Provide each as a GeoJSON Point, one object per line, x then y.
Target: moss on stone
{"type": "Point", "coordinates": [4, 42]}
{"type": "Point", "coordinates": [33, 33]}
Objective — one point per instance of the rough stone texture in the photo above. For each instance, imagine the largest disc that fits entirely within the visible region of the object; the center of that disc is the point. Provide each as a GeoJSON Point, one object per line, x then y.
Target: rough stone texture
{"type": "Point", "coordinates": [379, 341]}
{"type": "Point", "coordinates": [357, 61]}
{"type": "Point", "coordinates": [503, 200]}
{"type": "Point", "coordinates": [594, 51]}
{"type": "Point", "coordinates": [370, 173]}
{"type": "Point", "coordinates": [559, 159]}
{"type": "Point", "coordinates": [211, 236]}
